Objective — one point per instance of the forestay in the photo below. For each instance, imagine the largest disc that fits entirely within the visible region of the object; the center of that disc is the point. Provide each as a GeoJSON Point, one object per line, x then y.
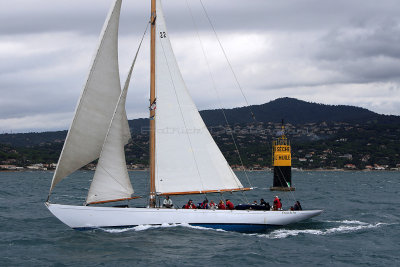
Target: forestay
{"type": "Point", "coordinates": [187, 158]}
{"type": "Point", "coordinates": [96, 105]}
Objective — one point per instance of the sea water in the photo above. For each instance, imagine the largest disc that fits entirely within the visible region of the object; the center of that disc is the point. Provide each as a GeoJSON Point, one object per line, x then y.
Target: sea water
{"type": "Point", "coordinates": [359, 227]}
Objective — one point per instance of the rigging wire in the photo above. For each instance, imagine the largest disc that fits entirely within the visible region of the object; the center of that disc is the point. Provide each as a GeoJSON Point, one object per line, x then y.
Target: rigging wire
{"type": "Point", "coordinates": [147, 185]}
{"type": "Point", "coordinates": [227, 59]}
{"type": "Point", "coordinates": [142, 148]}
{"type": "Point", "coordinates": [219, 98]}
{"type": "Point", "coordinates": [235, 77]}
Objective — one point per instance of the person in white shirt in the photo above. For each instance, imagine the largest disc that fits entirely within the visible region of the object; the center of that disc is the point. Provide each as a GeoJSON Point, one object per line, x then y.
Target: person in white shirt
{"type": "Point", "coordinates": [167, 203]}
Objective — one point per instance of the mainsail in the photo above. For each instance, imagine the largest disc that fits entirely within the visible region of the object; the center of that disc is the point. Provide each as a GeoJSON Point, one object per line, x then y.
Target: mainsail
{"type": "Point", "coordinates": [187, 158]}
{"type": "Point", "coordinates": [96, 105]}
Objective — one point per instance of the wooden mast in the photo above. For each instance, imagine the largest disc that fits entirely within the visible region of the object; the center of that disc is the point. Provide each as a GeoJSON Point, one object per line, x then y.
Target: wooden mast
{"type": "Point", "coordinates": [152, 203]}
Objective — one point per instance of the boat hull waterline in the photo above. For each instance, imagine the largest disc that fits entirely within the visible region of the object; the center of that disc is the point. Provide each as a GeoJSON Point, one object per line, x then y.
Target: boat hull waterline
{"type": "Point", "coordinates": [86, 217]}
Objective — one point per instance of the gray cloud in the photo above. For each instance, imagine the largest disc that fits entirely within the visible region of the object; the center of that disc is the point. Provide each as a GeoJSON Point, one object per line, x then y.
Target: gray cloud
{"type": "Point", "coordinates": [333, 52]}
{"type": "Point", "coordinates": [368, 53]}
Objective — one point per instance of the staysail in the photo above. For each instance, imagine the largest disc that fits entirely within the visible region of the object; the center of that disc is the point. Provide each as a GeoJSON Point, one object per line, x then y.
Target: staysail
{"type": "Point", "coordinates": [96, 105]}
{"type": "Point", "coordinates": [111, 180]}
{"type": "Point", "coordinates": [187, 158]}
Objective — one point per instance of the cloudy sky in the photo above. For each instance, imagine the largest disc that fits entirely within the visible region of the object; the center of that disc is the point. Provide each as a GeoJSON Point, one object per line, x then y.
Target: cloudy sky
{"type": "Point", "coordinates": [332, 52]}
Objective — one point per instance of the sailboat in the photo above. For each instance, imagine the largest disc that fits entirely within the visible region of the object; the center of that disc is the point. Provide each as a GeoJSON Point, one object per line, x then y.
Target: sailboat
{"type": "Point", "coordinates": [184, 158]}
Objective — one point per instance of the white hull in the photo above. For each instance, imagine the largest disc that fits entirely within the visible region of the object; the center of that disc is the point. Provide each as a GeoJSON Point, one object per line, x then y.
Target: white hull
{"type": "Point", "coordinates": [85, 217]}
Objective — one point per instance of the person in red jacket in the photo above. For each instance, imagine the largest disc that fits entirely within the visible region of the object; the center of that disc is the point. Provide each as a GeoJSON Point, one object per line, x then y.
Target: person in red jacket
{"type": "Point", "coordinates": [212, 205]}
{"type": "Point", "coordinates": [229, 205]}
{"type": "Point", "coordinates": [190, 205]}
{"type": "Point", "coordinates": [221, 205]}
{"type": "Point", "coordinates": [277, 203]}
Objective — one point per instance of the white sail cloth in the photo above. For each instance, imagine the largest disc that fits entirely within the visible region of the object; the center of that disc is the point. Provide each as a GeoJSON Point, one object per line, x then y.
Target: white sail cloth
{"type": "Point", "coordinates": [111, 179]}
{"type": "Point", "coordinates": [96, 105]}
{"type": "Point", "coordinates": [187, 158]}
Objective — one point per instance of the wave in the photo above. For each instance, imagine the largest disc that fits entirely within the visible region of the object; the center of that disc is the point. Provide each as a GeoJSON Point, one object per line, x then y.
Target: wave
{"type": "Point", "coordinates": [137, 228]}
{"type": "Point", "coordinates": [202, 228]}
{"type": "Point", "coordinates": [348, 222]}
{"type": "Point", "coordinates": [347, 227]}
{"type": "Point", "coordinates": [149, 227]}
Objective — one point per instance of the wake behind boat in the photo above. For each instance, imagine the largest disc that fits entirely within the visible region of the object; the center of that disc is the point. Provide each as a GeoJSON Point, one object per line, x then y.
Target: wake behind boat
{"type": "Point", "coordinates": [184, 158]}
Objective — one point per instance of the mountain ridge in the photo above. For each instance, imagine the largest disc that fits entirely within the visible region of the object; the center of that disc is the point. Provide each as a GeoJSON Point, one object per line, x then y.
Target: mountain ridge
{"type": "Point", "coordinates": [292, 110]}
{"type": "Point", "coordinates": [296, 111]}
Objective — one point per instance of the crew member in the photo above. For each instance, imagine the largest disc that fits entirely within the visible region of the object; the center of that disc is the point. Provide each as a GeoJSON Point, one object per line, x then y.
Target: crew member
{"type": "Point", "coordinates": [204, 204]}
{"type": "Point", "coordinates": [212, 205]}
{"type": "Point", "coordinates": [229, 205]}
{"type": "Point", "coordinates": [265, 205]}
{"type": "Point", "coordinates": [221, 205]}
{"type": "Point", "coordinates": [190, 205]}
{"type": "Point", "coordinates": [167, 203]}
{"type": "Point", "coordinates": [297, 206]}
{"type": "Point", "coordinates": [277, 203]}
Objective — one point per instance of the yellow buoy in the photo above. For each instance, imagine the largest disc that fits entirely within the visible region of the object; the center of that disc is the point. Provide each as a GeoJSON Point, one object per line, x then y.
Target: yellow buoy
{"type": "Point", "coordinates": [282, 162]}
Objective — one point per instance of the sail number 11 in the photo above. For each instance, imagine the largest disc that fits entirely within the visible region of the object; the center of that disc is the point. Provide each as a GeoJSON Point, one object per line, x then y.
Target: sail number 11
{"type": "Point", "coordinates": [163, 35]}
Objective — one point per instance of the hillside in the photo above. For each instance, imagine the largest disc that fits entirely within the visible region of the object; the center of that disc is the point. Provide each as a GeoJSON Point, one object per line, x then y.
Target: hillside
{"type": "Point", "coordinates": [322, 136]}
{"type": "Point", "coordinates": [296, 111]}
{"type": "Point", "coordinates": [315, 145]}
{"type": "Point", "coordinates": [292, 110]}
